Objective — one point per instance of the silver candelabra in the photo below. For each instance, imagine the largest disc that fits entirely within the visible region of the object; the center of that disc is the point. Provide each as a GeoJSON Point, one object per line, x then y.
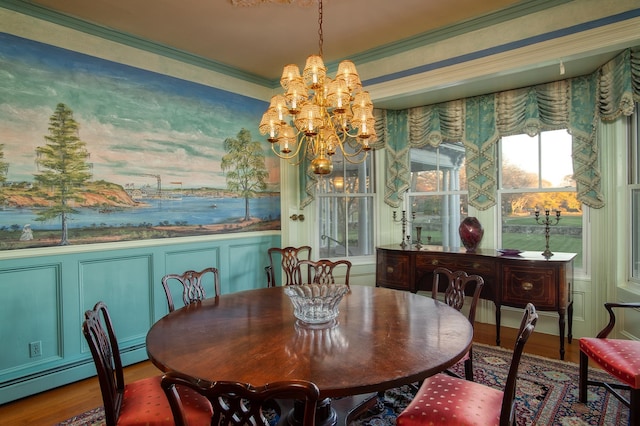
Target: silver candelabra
{"type": "Point", "coordinates": [547, 221]}
{"type": "Point", "coordinates": [406, 239]}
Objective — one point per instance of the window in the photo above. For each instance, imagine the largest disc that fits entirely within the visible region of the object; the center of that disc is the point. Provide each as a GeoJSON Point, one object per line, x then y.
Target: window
{"type": "Point", "coordinates": [345, 209]}
{"type": "Point", "coordinates": [634, 189]}
{"type": "Point", "coordinates": [437, 198]}
{"type": "Point", "coordinates": [535, 175]}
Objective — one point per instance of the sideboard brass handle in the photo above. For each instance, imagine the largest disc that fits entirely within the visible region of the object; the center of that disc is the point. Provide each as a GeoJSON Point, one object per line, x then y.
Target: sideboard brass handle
{"type": "Point", "coordinates": [526, 286]}
{"type": "Point", "coordinates": [476, 265]}
{"type": "Point", "coordinates": [435, 262]}
{"type": "Point", "coordinates": [389, 269]}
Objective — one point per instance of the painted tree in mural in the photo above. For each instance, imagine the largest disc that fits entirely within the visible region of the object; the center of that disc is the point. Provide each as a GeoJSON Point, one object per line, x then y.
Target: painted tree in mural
{"type": "Point", "coordinates": [4, 169]}
{"type": "Point", "coordinates": [64, 168]}
{"type": "Point", "coordinates": [244, 166]}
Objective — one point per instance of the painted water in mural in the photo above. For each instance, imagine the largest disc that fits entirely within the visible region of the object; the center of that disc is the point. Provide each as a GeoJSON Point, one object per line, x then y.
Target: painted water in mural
{"type": "Point", "coordinates": [155, 145]}
{"type": "Point", "coordinates": [187, 211]}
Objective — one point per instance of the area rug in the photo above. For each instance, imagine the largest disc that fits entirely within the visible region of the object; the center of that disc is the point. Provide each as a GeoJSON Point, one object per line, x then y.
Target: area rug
{"type": "Point", "coordinates": [547, 394]}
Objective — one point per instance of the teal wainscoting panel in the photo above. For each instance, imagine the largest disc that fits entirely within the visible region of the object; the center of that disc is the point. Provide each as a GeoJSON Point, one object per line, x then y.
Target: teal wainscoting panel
{"type": "Point", "coordinates": [45, 292]}
{"type": "Point", "coordinates": [30, 318]}
{"type": "Point", "coordinates": [124, 285]}
{"type": "Point", "coordinates": [246, 266]}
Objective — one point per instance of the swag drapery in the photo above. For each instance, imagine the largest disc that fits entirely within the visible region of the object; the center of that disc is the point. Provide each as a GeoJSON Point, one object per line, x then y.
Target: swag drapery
{"type": "Point", "coordinates": [577, 104]}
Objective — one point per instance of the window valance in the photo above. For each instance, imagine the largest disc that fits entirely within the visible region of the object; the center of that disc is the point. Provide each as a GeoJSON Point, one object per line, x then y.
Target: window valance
{"type": "Point", "coordinates": [577, 104]}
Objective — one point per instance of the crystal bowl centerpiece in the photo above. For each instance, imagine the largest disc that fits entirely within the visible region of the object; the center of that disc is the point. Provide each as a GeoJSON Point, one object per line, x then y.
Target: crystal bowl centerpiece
{"type": "Point", "coordinates": [316, 303]}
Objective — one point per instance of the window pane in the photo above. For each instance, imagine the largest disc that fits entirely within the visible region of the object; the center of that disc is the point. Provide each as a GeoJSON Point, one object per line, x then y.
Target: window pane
{"type": "Point", "coordinates": [345, 209]}
{"type": "Point", "coordinates": [521, 231]}
{"type": "Point", "coordinates": [439, 216]}
{"type": "Point", "coordinates": [437, 197]}
{"type": "Point", "coordinates": [541, 161]}
{"type": "Point", "coordinates": [520, 165]}
{"type": "Point", "coordinates": [557, 164]}
{"type": "Point", "coordinates": [438, 169]}
{"type": "Point", "coordinates": [346, 227]}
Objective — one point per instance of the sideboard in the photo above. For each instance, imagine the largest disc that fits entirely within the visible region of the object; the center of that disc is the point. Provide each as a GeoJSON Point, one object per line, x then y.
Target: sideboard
{"type": "Point", "coordinates": [509, 280]}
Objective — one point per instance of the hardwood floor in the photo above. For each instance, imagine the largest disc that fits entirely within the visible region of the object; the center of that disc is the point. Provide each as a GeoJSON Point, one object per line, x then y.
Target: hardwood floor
{"type": "Point", "coordinates": [51, 407]}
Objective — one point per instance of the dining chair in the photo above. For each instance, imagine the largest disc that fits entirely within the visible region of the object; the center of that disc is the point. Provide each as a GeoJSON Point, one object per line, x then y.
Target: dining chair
{"type": "Point", "coordinates": [289, 258]}
{"type": "Point", "coordinates": [618, 357]}
{"type": "Point", "coordinates": [454, 296]}
{"type": "Point", "coordinates": [239, 403]}
{"type": "Point", "coordinates": [325, 271]}
{"type": "Point", "coordinates": [139, 402]}
{"type": "Point", "coordinates": [192, 286]}
{"type": "Point", "coordinates": [447, 400]}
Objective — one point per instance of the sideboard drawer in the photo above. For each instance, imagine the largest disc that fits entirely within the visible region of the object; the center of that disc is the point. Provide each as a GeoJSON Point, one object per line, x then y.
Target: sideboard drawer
{"type": "Point", "coordinates": [392, 270]}
{"type": "Point", "coordinates": [521, 285]}
{"type": "Point", "coordinates": [479, 266]}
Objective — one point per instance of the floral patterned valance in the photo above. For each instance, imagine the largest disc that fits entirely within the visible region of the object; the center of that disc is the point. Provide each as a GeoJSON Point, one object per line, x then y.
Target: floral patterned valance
{"type": "Point", "coordinates": [577, 104]}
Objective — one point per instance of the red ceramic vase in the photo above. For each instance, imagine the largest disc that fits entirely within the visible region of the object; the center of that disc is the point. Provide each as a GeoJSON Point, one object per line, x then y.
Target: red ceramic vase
{"type": "Point", "coordinates": [471, 233]}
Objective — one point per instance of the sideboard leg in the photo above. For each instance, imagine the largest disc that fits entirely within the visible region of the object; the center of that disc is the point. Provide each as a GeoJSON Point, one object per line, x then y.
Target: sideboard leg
{"type": "Point", "coordinates": [570, 314]}
{"type": "Point", "coordinates": [497, 325]}
{"type": "Point", "coordinates": [561, 326]}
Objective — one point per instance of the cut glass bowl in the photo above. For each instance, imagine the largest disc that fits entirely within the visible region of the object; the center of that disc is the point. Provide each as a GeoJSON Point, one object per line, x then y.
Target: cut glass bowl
{"type": "Point", "coordinates": [316, 303]}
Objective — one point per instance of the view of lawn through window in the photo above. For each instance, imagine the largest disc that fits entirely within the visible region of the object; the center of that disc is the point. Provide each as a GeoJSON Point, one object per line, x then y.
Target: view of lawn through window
{"type": "Point", "coordinates": [537, 173]}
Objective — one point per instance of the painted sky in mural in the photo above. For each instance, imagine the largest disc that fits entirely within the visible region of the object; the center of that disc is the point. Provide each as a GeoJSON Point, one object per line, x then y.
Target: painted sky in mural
{"type": "Point", "coordinates": [135, 122]}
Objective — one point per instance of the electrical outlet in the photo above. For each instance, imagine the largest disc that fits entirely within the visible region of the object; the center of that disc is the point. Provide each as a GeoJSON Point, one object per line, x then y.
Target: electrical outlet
{"type": "Point", "coordinates": [35, 349]}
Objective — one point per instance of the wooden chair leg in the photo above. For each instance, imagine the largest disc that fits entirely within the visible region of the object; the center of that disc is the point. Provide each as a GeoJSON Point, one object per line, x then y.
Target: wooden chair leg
{"type": "Point", "coordinates": [468, 369]}
{"type": "Point", "coordinates": [634, 409]}
{"type": "Point", "coordinates": [582, 384]}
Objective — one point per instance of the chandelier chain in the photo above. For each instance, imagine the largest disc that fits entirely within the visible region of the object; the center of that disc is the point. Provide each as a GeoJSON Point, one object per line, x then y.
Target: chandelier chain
{"type": "Point", "coordinates": [320, 37]}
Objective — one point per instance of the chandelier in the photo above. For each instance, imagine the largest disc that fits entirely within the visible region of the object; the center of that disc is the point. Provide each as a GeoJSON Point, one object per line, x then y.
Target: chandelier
{"type": "Point", "coordinates": [318, 115]}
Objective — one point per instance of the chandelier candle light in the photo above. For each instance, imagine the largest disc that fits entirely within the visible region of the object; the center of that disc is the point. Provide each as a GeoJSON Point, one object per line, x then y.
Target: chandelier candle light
{"type": "Point", "coordinates": [317, 115]}
{"type": "Point", "coordinates": [547, 221]}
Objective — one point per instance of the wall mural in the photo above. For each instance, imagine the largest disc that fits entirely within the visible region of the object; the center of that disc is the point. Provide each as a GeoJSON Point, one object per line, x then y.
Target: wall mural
{"type": "Point", "coordinates": [96, 151]}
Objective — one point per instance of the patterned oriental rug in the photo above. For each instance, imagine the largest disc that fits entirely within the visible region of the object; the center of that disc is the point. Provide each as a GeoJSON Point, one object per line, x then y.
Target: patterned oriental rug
{"type": "Point", "coordinates": [547, 394]}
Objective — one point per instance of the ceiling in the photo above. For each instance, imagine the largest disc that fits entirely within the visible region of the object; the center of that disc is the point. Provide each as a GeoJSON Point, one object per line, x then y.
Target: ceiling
{"type": "Point", "coordinates": [260, 39]}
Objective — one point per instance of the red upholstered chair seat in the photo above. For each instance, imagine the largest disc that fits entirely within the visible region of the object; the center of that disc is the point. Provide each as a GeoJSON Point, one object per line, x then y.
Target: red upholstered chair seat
{"type": "Point", "coordinates": [144, 403]}
{"type": "Point", "coordinates": [619, 357]}
{"type": "Point", "coordinates": [447, 400]}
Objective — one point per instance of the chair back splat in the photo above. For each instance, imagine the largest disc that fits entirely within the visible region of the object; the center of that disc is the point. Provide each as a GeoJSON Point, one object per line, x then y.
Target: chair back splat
{"type": "Point", "coordinates": [454, 296]}
{"type": "Point", "coordinates": [443, 399]}
{"type": "Point", "coordinates": [325, 271]}
{"type": "Point", "coordinates": [192, 287]}
{"type": "Point", "coordinates": [289, 259]}
{"type": "Point", "coordinates": [619, 357]}
{"type": "Point", "coordinates": [139, 402]}
{"type": "Point", "coordinates": [240, 403]}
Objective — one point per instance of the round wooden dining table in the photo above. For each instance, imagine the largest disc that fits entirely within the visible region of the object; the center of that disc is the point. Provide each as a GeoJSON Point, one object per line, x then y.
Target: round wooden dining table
{"type": "Point", "coordinates": [382, 338]}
